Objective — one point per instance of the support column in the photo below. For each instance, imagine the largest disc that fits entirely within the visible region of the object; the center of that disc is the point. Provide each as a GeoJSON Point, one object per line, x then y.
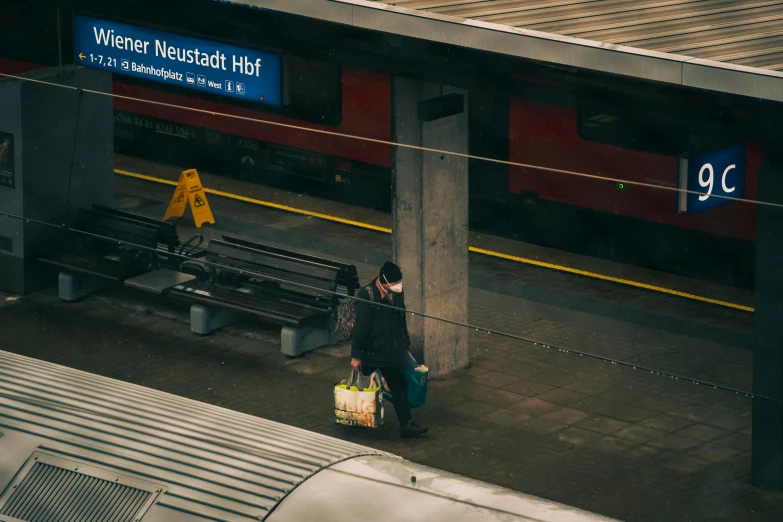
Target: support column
{"type": "Point", "coordinates": [767, 454]}
{"type": "Point", "coordinates": [430, 223]}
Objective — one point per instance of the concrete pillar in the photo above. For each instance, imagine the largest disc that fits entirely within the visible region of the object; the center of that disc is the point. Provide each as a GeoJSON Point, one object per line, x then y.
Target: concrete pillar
{"type": "Point", "coordinates": [430, 223]}
{"type": "Point", "coordinates": [767, 454]}
{"type": "Point", "coordinates": [62, 145]}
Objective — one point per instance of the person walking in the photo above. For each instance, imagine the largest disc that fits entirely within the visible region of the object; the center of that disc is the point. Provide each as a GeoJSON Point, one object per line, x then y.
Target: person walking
{"type": "Point", "coordinates": [381, 340]}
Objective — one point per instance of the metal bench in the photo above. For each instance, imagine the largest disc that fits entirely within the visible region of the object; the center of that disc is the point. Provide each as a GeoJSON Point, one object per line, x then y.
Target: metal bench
{"type": "Point", "coordinates": [281, 286]}
{"type": "Point", "coordinates": [111, 247]}
{"type": "Point", "coordinates": [165, 233]}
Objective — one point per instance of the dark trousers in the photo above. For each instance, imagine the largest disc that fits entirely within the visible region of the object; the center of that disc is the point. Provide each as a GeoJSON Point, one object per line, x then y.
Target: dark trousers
{"type": "Point", "coordinates": [399, 390]}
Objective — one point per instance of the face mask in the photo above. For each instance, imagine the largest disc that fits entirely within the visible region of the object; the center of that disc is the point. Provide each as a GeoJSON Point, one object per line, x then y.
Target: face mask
{"type": "Point", "coordinates": [395, 288]}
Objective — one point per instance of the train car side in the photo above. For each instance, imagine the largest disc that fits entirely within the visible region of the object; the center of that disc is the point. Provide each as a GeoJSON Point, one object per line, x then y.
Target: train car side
{"type": "Point", "coordinates": [629, 224]}
{"type": "Point", "coordinates": [246, 144]}
{"type": "Point", "coordinates": [548, 136]}
{"type": "Point", "coordinates": [365, 113]}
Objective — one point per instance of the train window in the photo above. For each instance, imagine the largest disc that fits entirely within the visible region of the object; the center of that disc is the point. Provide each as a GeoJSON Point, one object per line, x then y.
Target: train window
{"type": "Point", "coordinates": [313, 89]}
{"type": "Point", "coordinates": [631, 132]}
{"type": "Point", "coordinates": [312, 82]}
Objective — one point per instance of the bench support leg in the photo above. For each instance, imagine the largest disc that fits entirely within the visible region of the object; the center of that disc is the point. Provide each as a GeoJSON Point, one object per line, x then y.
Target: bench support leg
{"type": "Point", "coordinates": [296, 341]}
{"type": "Point", "coordinates": [72, 287]}
{"type": "Point", "coordinates": [206, 319]}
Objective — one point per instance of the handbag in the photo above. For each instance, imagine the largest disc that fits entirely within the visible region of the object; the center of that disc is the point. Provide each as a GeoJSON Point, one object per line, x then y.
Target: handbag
{"type": "Point", "coordinates": [416, 377]}
{"type": "Point", "coordinates": [358, 405]}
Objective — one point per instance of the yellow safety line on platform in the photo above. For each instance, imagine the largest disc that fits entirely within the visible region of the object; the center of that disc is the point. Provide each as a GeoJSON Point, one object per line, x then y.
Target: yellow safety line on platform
{"type": "Point", "coordinates": [610, 278]}
{"type": "Point", "coordinates": [476, 250]}
{"type": "Point", "coordinates": [262, 203]}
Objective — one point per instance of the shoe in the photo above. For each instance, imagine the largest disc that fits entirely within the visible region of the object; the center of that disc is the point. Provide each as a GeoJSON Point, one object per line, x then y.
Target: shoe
{"type": "Point", "coordinates": [412, 430]}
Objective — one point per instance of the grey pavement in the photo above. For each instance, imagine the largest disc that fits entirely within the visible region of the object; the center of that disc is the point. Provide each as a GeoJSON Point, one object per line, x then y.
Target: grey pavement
{"type": "Point", "coordinates": [601, 437]}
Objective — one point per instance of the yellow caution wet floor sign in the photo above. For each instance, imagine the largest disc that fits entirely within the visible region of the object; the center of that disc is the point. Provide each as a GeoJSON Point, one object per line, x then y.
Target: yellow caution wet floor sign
{"type": "Point", "coordinates": [189, 190]}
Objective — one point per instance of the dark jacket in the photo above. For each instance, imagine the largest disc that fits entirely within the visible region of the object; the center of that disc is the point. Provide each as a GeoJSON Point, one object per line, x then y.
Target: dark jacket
{"type": "Point", "coordinates": [380, 335]}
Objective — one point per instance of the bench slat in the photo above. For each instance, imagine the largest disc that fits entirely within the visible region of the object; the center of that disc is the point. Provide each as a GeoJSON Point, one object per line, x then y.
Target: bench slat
{"type": "Point", "coordinates": [288, 261]}
{"type": "Point", "coordinates": [273, 264]}
{"type": "Point", "coordinates": [257, 304]}
{"type": "Point", "coordinates": [98, 267]}
{"type": "Point", "coordinates": [166, 232]}
{"type": "Point", "coordinates": [118, 228]}
{"type": "Point", "coordinates": [347, 274]}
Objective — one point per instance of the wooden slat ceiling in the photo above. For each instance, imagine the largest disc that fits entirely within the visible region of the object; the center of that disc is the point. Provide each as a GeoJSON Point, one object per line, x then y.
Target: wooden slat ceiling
{"type": "Point", "coordinates": [743, 32]}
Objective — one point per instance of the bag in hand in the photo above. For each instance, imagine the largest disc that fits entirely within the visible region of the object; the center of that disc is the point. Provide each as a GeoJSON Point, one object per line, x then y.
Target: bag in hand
{"type": "Point", "coordinates": [416, 377]}
{"type": "Point", "coordinates": [355, 405]}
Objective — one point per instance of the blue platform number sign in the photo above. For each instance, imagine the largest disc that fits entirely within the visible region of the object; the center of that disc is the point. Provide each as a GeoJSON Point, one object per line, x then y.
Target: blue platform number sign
{"type": "Point", "coordinates": [178, 60]}
{"type": "Point", "coordinates": [714, 177]}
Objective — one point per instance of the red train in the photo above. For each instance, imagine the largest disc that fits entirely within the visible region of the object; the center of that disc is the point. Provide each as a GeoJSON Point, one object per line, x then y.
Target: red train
{"type": "Point", "coordinates": [549, 136]}
{"type": "Point", "coordinates": [638, 225]}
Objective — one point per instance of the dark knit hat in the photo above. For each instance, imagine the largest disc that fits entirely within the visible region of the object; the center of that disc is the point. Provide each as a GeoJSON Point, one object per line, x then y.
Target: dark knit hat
{"type": "Point", "coordinates": [390, 273]}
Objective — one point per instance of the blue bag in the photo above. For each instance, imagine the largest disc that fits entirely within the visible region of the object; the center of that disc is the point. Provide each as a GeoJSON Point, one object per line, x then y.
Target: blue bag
{"type": "Point", "coordinates": [416, 377]}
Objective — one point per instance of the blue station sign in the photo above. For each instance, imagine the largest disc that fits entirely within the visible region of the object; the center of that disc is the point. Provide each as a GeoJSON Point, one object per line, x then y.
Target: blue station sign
{"type": "Point", "coordinates": [178, 60]}
{"type": "Point", "coordinates": [711, 179]}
